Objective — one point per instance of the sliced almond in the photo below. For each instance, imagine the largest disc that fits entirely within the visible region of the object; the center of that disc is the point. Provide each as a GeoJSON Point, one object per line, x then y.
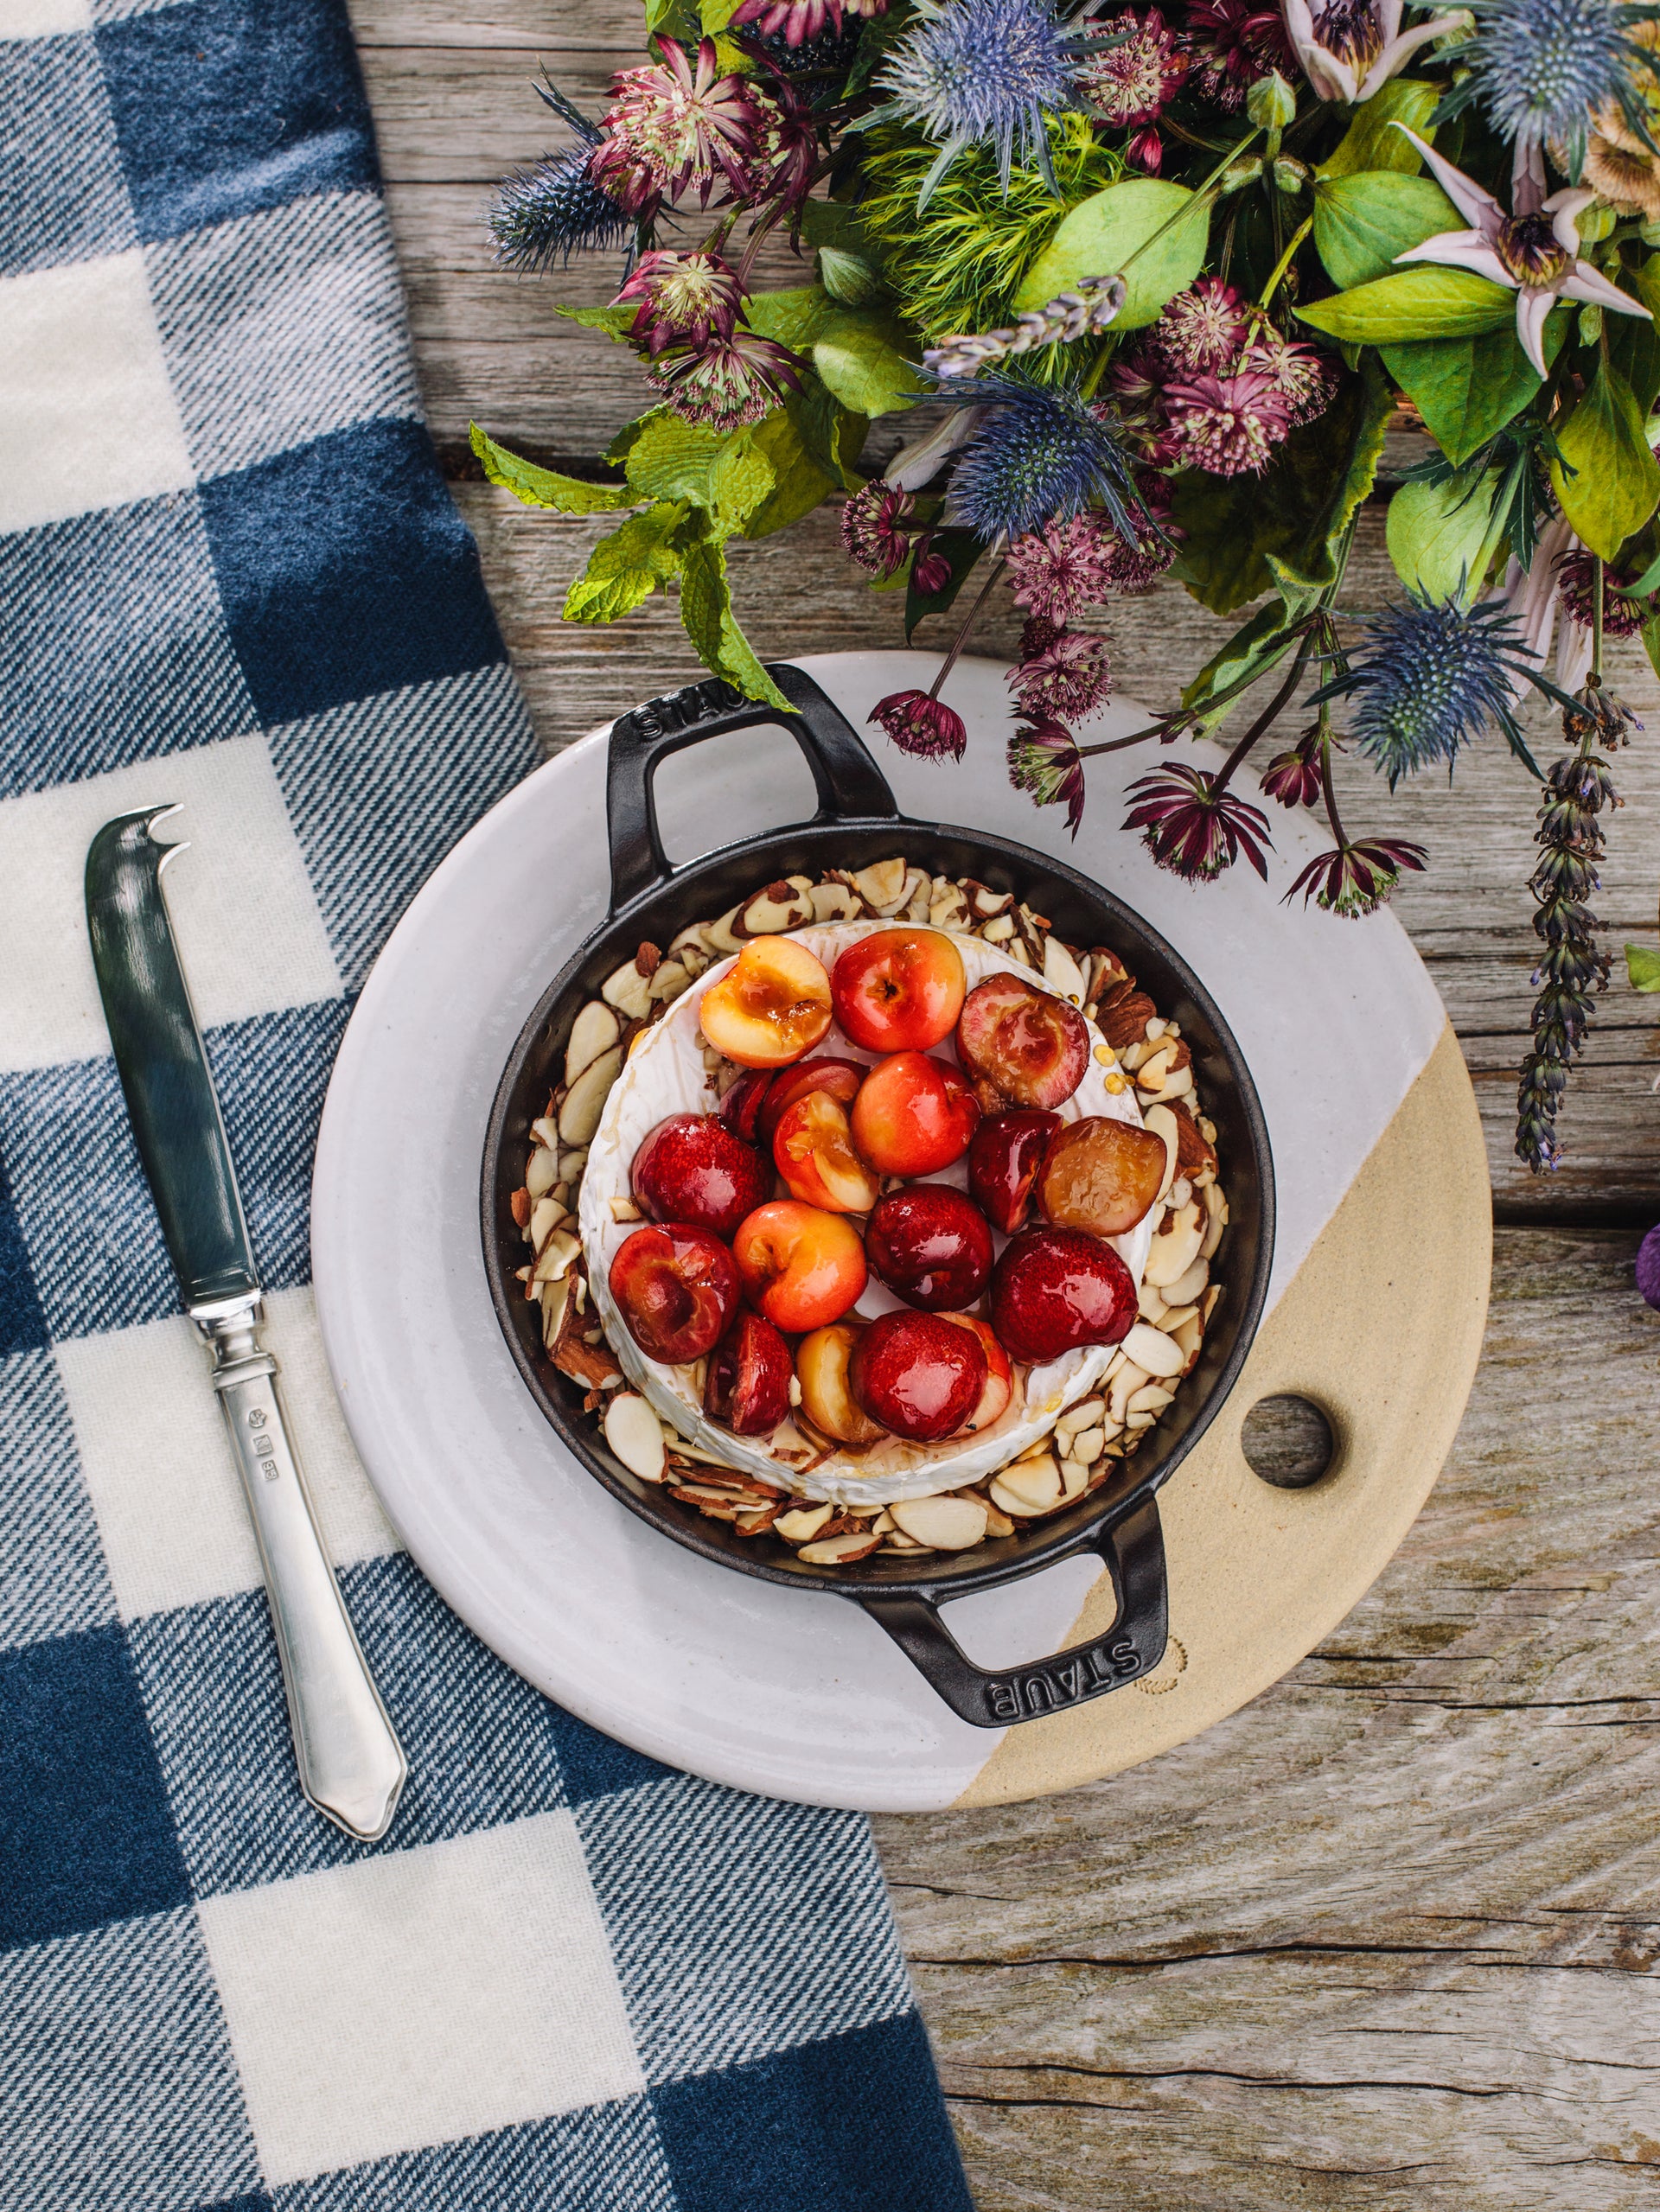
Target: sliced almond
{"type": "Point", "coordinates": [1216, 1211]}
{"type": "Point", "coordinates": [1162, 1121]}
{"type": "Point", "coordinates": [543, 1172]}
{"type": "Point", "coordinates": [636, 1435]}
{"type": "Point", "coordinates": [983, 901]}
{"type": "Point", "coordinates": [1035, 1483]}
{"type": "Point", "coordinates": [803, 1522]}
{"type": "Point", "coordinates": [914, 899]}
{"type": "Point", "coordinates": [594, 1031]}
{"type": "Point", "coordinates": [836, 902]}
{"type": "Point", "coordinates": [840, 1550]}
{"type": "Point", "coordinates": [1127, 1380]}
{"type": "Point", "coordinates": [520, 1207]}
{"type": "Point", "coordinates": [947, 907]}
{"type": "Point", "coordinates": [624, 1209]}
{"type": "Point", "coordinates": [1150, 1303]}
{"type": "Point", "coordinates": [1176, 1243]}
{"type": "Point", "coordinates": [1150, 1349]}
{"type": "Point", "coordinates": [1150, 1399]}
{"type": "Point", "coordinates": [721, 936]}
{"type": "Point", "coordinates": [1208, 1302]}
{"type": "Point", "coordinates": [1152, 1072]}
{"type": "Point", "coordinates": [1190, 1335]}
{"type": "Point", "coordinates": [585, 1099]}
{"type": "Point", "coordinates": [1061, 972]}
{"type": "Point", "coordinates": [751, 1524]}
{"type": "Point", "coordinates": [554, 1298]}
{"type": "Point", "coordinates": [629, 991]}
{"type": "Point", "coordinates": [1086, 1445]}
{"type": "Point", "coordinates": [670, 980]}
{"type": "Point", "coordinates": [781, 906]}
{"type": "Point", "coordinates": [554, 1260]}
{"type": "Point", "coordinates": [546, 1216]}
{"type": "Point", "coordinates": [998, 1523]}
{"type": "Point", "coordinates": [952, 1523]}
{"type": "Point", "coordinates": [882, 885]}
{"type": "Point", "coordinates": [1075, 1479]}
{"type": "Point", "coordinates": [545, 1131]}
{"type": "Point", "coordinates": [572, 1164]}
{"type": "Point", "coordinates": [999, 931]}
{"type": "Point", "coordinates": [1084, 1415]}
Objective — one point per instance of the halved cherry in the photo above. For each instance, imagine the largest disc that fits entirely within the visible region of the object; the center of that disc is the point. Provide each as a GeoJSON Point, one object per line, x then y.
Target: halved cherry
{"type": "Point", "coordinates": [748, 1386]}
{"type": "Point", "coordinates": [1000, 1375]}
{"type": "Point", "coordinates": [821, 1361]}
{"type": "Point", "coordinates": [771, 1007]}
{"type": "Point", "coordinates": [802, 1266]}
{"type": "Point", "coordinates": [1028, 1045]}
{"type": "Point", "coordinates": [840, 1078]}
{"type": "Point", "coordinates": [677, 1286]}
{"type": "Point", "coordinates": [813, 1150]}
{"type": "Point", "coordinates": [741, 1107]}
{"type": "Point", "coordinates": [1005, 1157]}
{"type": "Point", "coordinates": [1101, 1175]}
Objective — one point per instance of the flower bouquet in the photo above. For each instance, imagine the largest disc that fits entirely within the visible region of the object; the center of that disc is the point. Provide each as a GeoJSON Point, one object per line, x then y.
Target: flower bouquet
{"type": "Point", "coordinates": [1142, 287]}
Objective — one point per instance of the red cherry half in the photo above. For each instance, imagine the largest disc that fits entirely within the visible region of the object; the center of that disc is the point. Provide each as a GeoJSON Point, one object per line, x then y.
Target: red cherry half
{"type": "Point", "coordinates": [1056, 1289]}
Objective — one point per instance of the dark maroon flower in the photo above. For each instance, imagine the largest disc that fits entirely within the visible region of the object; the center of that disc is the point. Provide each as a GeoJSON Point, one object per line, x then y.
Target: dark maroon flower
{"type": "Point", "coordinates": [728, 382]}
{"type": "Point", "coordinates": [1230, 44]}
{"type": "Point", "coordinates": [1070, 677]}
{"type": "Point", "coordinates": [1134, 77]}
{"type": "Point", "coordinates": [1202, 329]}
{"type": "Point", "coordinates": [690, 297]}
{"type": "Point", "coordinates": [927, 729]}
{"type": "Point", "coordinates": [931, 572]}
{"type": "Point", "coordinates": [1294, 778]}
{"type": "Point", "coordinates": [785, 157]}
{"type": "Point", "coordinates": [873, 528]}
{"type": "Point", "coordinates": [801, 21]}
{"type": "Point", "coordinates": [1044, 762]}
{"type": "Point", "coordinates": [1193, 828]}
{"type": "Point", "coordinates": [1037, 634]}
{"type": "Point", "coordinates": [1305, 378]}
{"type": "Point", "coordinates": [1145, 148]}
{"type": "Point", "coordinates": [1622, 616]}
{"type": "Point", "coordinates": [1227, 425]}
{"type": "Point", "coordinates": [1356, 879]}
{"type": "Point", "coordinates": [673, 127]}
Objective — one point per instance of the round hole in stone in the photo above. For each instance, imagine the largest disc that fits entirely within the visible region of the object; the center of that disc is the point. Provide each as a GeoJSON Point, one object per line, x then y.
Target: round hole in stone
{"type": "Point", "coordinates": [1288, 1441]}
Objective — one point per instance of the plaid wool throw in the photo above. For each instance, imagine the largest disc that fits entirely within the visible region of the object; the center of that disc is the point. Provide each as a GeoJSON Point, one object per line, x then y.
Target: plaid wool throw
{"type": "Point", "coordinates": [230, 576]}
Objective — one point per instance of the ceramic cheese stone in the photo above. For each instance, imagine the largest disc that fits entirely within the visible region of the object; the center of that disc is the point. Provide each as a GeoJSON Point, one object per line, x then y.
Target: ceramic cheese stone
{"type": "Point", "coordinates": [666, 1074]}
{"type": "Point", "coordinates": [1375, 1306]}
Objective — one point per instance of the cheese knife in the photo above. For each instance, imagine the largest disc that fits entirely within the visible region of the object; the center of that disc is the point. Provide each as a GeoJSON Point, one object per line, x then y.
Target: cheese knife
{"type": "Point", "coordinates": [352, 1768]}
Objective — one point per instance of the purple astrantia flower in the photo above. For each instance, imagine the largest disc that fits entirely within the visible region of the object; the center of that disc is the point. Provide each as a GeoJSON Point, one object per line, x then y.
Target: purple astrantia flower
{"type": "Point", "coordinates": [728, 382]}
{"type": "Point", "coordinates": [1045, 763]}
{"type": "Point", "coordinates": [1194, 827]}
{"type": "Point", "coordinates": [1227, 425]}
{"type": "Point", "coordinates": [1622, 616]}
{"type": "Point", "coordinates": [1060, 567]}
{"type": "Point", "coordinates": [1233, 44]}
{"type": "Point", "coordinates": [801, 20]}
{"type": "Point", "coordinates": [672, 128]}
{"type": "Point", "coordinates": [1534, 253]}
{"type": "Point", "coordinates": [1356, 879]}
{"type": "Point", "coordinates": [1132, 81]}
{"type": "Point", "coordinates": [1071, 676]}
{"type": "Point", "coordinates": [925, 728]}
{"type": "Point", "coordinates": [1295, 777]}
{"type": "Point", "coordinates": [691, 297]}
{"type": "Point", "coordinates": [872, 527]}
{"type": "Point", "coordinates": [1305, 378]}
{"type": "Point", "coordinates": [785, 157]}
{"type": "Point", "coordinates": [931, 572]}
{"type": "Point", "coordinates": [1202, 329]}
{"type": "Point", "coordinates": [1350, 48]}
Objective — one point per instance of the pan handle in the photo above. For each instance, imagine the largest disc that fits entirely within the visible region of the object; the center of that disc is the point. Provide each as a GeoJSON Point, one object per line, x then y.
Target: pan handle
{"type": "Point", "coordinates": [995, 1698]}
{"type": "Point", "coordinates": [848, 782]}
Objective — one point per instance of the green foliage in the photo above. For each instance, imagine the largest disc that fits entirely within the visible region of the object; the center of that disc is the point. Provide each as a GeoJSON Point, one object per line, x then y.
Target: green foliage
{"type": "Point", "coordinates": [798, 443]}
{"type": "Point", "coordinates": [1283, 531]}
{"type": "Point", "coordinates": [848, 278]}
{"type": "Point", "coordinates": [1466, 389]}
{"type": "Point", "coordinates": [1369, 143]}
{"type": "Point", "coordinates": [1643, 967]}
{"type": "Point", "coordinates": [1615, 480]}
{"type": "Point", "coordinates": [860, 354]}
{"type": "Point", "coordinates": [957, 265]}
{"type": "Point", "coordinates": [723, 476]}
{"type": "Point", "coordinates": [545, 487]}
{"type": "Point", "coordinates": [1163, 227]}
{"type": "Point", "coordinates": [706, 611]}
{"type": "Point", "coordinates": [963, 550]}
{"type": "Point", "coordinates": [615, 322]}
{"type": "Point", "coordinates": [637, 559]}
{"type": "Point", "coordinates": [1422, 302]}
{"type": "Point", "coordinates": [1248, 654]}
{"type": "Point", "coordinates": [1443, 535]}
{"type": "Point", "coordinates": [1361, 221]}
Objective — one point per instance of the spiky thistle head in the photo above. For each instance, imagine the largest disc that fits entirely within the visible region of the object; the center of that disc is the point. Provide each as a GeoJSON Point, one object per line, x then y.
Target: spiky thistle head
{"type": "Point", "coordinates": [982, 72]}
{"type": "Point", "coordinates": [1429, 677]}
{"type": "Point", "coordinates": [1039, 453]}
{"type": "Point", "coordinates": [1540, 69]}
{"type": "Point", "coordinates": [546, 213]}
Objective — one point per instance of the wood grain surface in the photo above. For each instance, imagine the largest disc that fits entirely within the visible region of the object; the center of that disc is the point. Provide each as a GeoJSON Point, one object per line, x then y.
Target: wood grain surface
{"type": "Point", "coordinates": [1388, 1937]}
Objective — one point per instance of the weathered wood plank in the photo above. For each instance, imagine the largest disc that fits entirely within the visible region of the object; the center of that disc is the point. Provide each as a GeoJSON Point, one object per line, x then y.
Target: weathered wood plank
{"type": "Point", "coordinates": [1388, 1936]}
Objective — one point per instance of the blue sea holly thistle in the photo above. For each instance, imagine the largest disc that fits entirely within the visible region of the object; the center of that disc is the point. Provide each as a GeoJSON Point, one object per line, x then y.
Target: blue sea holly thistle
{"type": "Point", "coordinates": [1066, 304]}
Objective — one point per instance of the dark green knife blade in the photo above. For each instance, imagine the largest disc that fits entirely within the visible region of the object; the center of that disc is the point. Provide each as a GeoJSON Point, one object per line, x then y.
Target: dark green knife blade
{"type": "Point", "coordinates": [163, 1063]}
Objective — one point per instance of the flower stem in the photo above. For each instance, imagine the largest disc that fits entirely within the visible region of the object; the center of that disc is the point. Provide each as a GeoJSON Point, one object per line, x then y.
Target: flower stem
{"type": "Point", "coordinates": [1270, 715]}
{"type": "Point", "coordinates": [970, 619]}
{"type": "Point", "coordinates": [1118, 745]}
{"type": "Point", "coordinates": [1597, 589]}
{"type": "Point", "coordinates": [1285, 262]}
{"type": "Point", "coordinates": [1331, 798]}
{"type": "Point", "coordinates": [1200, 192]}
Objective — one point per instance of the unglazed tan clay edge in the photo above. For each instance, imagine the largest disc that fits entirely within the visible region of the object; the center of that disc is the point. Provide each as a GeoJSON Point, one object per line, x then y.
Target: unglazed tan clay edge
{"type": "Point", "coordinates": [1381, 1326]}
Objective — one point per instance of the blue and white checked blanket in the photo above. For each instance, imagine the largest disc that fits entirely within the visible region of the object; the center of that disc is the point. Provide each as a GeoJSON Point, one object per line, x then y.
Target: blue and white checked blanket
{"type": "Point", "coordinates": [230, 575]}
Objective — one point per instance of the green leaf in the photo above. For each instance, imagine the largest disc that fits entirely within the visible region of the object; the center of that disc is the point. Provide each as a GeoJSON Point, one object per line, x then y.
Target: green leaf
{"type": "Point", "coordinates": [1617, 482]}
{"type": "Point", "coordinates": [616, 321]}
{"type": "Point", "coordinates": [727, 476]}
{"type": "Point", "coordinates": [628, 566]}
{"type": "Point", "coordinates": [1652, 640]}
{"type": "Point", "coordinates": [1369, 143]}
{"type": "Point", "coordinates": [860, 359]}
{"type": "Point", "coordinates": [1642, 967]}
{"type": "Point", "coordinates": [1250, 652]}
{"type": "Point", "coordinates": [674, 19]}
{"type": "Point", "coordinates": [1362, 221]}
{"type": "Point", "coordinates": [545, 487]}
{"type": "Point", "coordinates": [1467, 388]}
{"type": "Point", "coordinates": [1101, 234]}
{"type": "Point", "coordinates": [792, 317]}
{"type": "Point", "coordinates": [1425, 302]}
{"type": "Point", "coordinates": [801, 476]}
{"type": "Point", "coordinates": [963, 550]}
{"type": "Point", "coordinates": [706, 611]}
{"type": "Point", "coordinates": [848, 278]}
{"type": "Point", "coordinates": [1634, 342]}
{"type": "Point", "coordinates": [1245, 535]}
{"type": "Point", "coordinates": [1442, 537]}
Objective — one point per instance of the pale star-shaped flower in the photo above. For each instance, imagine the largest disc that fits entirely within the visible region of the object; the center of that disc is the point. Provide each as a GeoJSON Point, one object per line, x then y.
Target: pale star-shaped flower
{"type": "Point", "coordinates": [1534, 253]}
{"type": "Point", "coordinates": [1349, 47]}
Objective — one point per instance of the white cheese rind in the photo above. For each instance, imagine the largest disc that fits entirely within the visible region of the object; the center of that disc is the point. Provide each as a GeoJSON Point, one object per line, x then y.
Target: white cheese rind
{"type": "Point", "coordinates": [665, 1075]}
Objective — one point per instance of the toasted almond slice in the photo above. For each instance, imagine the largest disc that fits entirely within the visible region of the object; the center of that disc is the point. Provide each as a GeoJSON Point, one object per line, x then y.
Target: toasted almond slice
{"type": "Point", "coordinates": [781, 906]}
{"type": "Point", "coordinates": [670, 980]}
{"type": "Point", "coordinates": [954, 1522]}
{"type": "Point", "coordinates": [983, 900]}
{"type": "Point", "coordinates": [1186, 1289]}
{"type": "Point", "coordinates": [1150, 1399]}
{"type": "Point", "coordinates": [554, 1296]}
{"type": "Point", "coordinates": [946, 907]}
{"type": "Point", "coordinates": [1215, 1209]}
{"type": "Point", "coordinates": [546, 1216]}
{"type": "Point", "coordinates": [594, 1031]}
{"type": "Point", "coordinates": [1075, 1479]}
{"type": "Point", "coordinates": [840, 1550]}
{"type": "Point", "coordinates": [1127, 1380]}
{"type": "Point", "coordinates": [585, 1100]}
{"type": "Point", "coordinates": [836, 902]}
{"type": "Point", "coordinates": [624, 1209]}
{"type": "Point", "coordinates": [1150, 1303]}
{"type": "Point", "coordinates": [545, 1131]}
{"type": "Point", "coordinates": [553, 1262]}
{"type": "Point", "coordinates": [1037, 1482]}
{"type": "Point", "coordinates": [1176, 1245]}
{"type": "Point", "coordinates": [1161, 1119]}
{"type": "Point", "coordinates": [1087, 1446]}
{"type": "Point", "coordinates": [1084, 1415]}
{"type": "Point", "coordinates": [636, 1435]}
{"type": "Point", "coordinates": [884, 1525]}
{"type": "Point", "coordinates": [882, 885]}
{"type": "Point", "coordinates": [1150, 1349]}
{"type": "Point", "coordinates": [1061, 971]}
{"type": "Point", "coordinates": [914, 899]}
{"type": "Point", "coordinates": [998, 1524]}
{"type": "Point", "coordinates": [1189, 1336]}
{"type": "Point", "coordinates": [543, 1171]}
{"type": "Point", "coordinates": [999, 930]}
{"type": "Point", "coordinates": [803, 1522]}
{"type": "Point", "coordinates": [629, 991]}
{"type": "Point", "coordinates": [1208, 1302]}
{"type": "Point", "coordinates": [721, 936]}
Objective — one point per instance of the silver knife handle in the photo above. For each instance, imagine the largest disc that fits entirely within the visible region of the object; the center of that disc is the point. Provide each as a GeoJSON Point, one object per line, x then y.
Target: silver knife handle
{"type": "Point", "coordinates": [352, 1766]}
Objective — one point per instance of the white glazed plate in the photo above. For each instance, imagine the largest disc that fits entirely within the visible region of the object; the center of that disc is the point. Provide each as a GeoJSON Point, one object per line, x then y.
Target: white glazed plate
{"type": "Point", "coordinates": [793, 1692]}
